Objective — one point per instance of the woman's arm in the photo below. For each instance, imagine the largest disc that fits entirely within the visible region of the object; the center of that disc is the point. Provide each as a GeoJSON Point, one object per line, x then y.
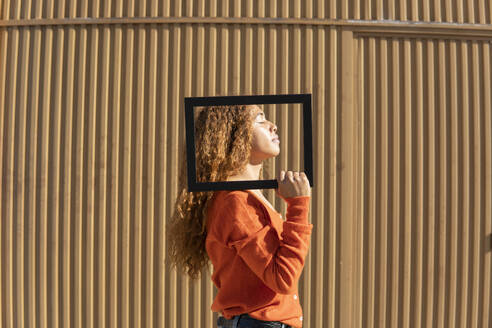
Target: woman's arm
{"type": "Point", "coordinates": [278, 263]}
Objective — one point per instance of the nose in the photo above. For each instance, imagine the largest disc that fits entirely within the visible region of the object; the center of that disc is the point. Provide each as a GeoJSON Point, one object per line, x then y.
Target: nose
{"type": "Point", "coordinates": [274, 127]}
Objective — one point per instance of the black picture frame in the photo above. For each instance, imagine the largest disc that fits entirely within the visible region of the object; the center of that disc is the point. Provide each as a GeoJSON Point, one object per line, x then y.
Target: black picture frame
{"type": "Point", "coordinates": [191, 102]}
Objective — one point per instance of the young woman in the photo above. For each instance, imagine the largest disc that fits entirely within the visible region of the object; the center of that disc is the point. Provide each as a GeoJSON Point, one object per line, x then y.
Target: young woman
{"type": "Point", "coordinates": [257, 256]}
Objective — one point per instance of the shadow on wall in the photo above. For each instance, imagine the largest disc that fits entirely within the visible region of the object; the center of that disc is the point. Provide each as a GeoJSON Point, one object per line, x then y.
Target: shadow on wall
{"type": "Point", "coordinates": [488, 243]}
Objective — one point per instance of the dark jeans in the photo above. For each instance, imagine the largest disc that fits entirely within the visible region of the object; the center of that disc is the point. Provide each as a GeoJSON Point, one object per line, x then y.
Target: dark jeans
{"type": "Point", "coordinates": [245, 321]}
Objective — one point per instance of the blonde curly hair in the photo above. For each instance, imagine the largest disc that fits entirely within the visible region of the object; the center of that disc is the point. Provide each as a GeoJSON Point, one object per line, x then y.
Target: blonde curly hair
{"type": "Point", "coordinates": [223, 136]}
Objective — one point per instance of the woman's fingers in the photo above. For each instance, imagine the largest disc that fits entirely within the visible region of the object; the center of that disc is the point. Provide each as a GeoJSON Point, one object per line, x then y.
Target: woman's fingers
{"type": "Point", "coordinates": [293, 184]}
{"type": "Point", "coordinates": [290, 175]}
{"type": "Point", "coordinates": [296, 176]}
{"type": "Point", "coordinates": [282, 175]}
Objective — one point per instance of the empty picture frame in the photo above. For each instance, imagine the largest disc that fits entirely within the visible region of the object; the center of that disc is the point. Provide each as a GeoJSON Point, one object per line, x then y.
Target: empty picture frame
{"type": "Point", "coordinates": [191, 102]}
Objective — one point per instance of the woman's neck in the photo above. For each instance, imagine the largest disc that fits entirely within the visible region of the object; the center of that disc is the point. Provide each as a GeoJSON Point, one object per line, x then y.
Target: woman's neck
{"type": "Point", "coordinates": [251, 172]}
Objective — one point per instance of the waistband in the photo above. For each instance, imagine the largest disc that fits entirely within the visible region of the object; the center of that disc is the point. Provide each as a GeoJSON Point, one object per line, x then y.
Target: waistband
{"type": "Point", "coordinates": [244, 320]}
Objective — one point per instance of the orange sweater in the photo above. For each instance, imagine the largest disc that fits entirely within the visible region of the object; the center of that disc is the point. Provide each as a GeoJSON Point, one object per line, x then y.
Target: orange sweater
{"type": "Point", "coordinates": [257, 256]}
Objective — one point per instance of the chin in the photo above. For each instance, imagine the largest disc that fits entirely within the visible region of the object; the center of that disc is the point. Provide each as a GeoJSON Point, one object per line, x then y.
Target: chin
{"type": "Point", "coordinates": [265, 154]}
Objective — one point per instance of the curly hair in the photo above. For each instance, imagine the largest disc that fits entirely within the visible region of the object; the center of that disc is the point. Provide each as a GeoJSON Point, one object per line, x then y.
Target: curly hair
{"type": "Point", "coordinates": [223, 136]}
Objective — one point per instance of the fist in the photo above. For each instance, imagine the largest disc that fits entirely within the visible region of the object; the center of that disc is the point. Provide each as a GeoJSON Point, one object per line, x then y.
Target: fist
{"type": "Point", "coordinates": [292, 184]}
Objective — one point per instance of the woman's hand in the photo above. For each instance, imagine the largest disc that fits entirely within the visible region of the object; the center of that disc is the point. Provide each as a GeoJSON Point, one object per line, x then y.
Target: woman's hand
{"type": "Point", "coordinates": [292, 184]}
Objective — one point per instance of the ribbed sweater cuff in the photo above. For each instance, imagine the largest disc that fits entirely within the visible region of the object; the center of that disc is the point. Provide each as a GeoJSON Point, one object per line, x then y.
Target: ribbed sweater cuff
{"type": "Point", "coordinates": [297, 209]}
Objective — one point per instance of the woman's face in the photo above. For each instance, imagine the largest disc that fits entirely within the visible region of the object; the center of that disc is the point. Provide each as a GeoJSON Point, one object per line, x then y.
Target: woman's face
{"type": "Point", "coordinates": [265, 143]}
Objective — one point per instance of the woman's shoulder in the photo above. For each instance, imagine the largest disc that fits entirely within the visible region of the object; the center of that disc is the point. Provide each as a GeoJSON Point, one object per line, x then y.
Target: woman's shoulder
{"type": "Point", "coordinates": [237, 198]}
{"type": "Point", "coordinates": [222, 194]}
{"type": "Point", "coordinates": [234, 215]}
{"type": "Point", "coordinates": [227, 198]}
{"type": "Point", "coordinates": [238, 203]}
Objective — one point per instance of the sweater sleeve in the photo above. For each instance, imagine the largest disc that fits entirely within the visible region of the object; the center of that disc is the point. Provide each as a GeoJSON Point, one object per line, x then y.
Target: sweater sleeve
{"type": "Point", "coordinates": [277, 262]}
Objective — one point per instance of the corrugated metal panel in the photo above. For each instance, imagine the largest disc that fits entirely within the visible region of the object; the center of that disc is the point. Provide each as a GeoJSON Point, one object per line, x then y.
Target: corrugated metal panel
{"type": "Point", "coordinates": [92, 121]}
{"type": "Point", "coordinates": [460, 11]}
{"type": "Point", "coordinates": [91, 131]}
{"type": "Point", "coordinates": [426, 182]}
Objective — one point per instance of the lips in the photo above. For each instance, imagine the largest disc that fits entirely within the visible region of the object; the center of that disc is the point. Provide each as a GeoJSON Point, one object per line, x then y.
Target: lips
{"type": "Point", "coordinates": [276, 139]}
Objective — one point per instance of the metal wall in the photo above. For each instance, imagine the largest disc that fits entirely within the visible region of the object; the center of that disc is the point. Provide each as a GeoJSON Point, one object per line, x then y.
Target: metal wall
{"type": "Point", "coordinates": [457, 11]}
{"type": "Point", "coordinates": [425, 182]}
{"type": "Point", "coordinates": [91, 120]}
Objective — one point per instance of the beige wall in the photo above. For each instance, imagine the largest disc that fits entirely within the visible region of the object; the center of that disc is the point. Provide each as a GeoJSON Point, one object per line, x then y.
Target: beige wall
{"type": "Point", "coordinates": [91, 99]}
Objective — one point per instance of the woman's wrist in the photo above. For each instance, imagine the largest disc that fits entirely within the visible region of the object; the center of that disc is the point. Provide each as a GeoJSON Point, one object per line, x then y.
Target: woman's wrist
{"type": "Point", "coordinates": [298, 208]}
